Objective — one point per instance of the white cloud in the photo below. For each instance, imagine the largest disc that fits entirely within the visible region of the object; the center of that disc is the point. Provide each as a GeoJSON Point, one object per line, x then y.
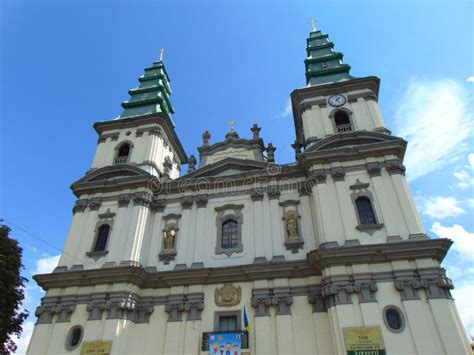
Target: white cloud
{"type": "Point", "coordinates": [470, 79]}
{"type": "Point", "coordinates": [463, 240]}
{"type": "Point", "coordinates": [465, 176]}
{"type": "Point", "coordinates": [46, 265]}
{"type": "Point", "coordinates": [24, 340]}
{"type": "Point", "coordinates": [435, 118]}
{"type": "Point", "coordinates": [441, 207]}
{"type": "Point", "coordinates": [287, 111]}
{"type": "Point", "coordinates": [463, 296]}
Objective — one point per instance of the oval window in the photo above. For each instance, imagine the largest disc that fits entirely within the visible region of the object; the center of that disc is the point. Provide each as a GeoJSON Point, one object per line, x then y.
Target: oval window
{"type": "Point", "coordinates": [74, 337]}
{"type": "Point", "coordinates": [393, 319]}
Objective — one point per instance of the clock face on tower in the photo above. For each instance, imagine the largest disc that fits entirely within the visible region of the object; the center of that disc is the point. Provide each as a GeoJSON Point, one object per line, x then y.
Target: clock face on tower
{"type": "Point", "coordinates": [337, 100]}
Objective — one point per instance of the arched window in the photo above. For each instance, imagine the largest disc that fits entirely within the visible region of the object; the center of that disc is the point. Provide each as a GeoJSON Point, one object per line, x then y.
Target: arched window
{"type": "Point", "coordinates": [123, 152]}
{"type": "Point", "coordinates": [102, 237]}
{"type": "Point", "coordinates": [365, 211]}
{"type": "Point", "coordinates": [230, 235]}
{"type": "Point", "coordinates": [342, 122]}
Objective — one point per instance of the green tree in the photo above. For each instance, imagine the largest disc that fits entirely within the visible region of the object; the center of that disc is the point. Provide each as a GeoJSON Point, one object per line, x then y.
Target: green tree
{"type": "Point", "coordinates": [11, 286]}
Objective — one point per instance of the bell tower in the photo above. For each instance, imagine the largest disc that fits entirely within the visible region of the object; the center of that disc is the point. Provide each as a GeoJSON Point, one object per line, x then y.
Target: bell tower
{"type": "Point", "coordinates": [333, 102]}
{"type": "Point", "coordinates": [136, 153]}
{"type": "Point", "coordinates": [143, 135]}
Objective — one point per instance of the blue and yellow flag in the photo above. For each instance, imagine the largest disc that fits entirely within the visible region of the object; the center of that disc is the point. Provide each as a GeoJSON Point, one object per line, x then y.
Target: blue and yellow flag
{"type": "Point", "coordinates": [246, 321]}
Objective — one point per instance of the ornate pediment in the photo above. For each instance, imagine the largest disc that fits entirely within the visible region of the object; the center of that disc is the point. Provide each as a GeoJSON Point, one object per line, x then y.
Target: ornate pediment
{"type": "Point", "coordinates": [228, 166]}
{"type": "Point", "coordinates": [113, 171]}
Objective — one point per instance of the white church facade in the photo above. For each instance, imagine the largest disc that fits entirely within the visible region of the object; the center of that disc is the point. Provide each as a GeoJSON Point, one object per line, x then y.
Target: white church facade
{"type": "Point", "coordinates": [324, 255]}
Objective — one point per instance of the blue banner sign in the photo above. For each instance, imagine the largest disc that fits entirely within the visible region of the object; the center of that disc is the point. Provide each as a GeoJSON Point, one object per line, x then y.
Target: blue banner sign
{"type": "Point", "coordinates": [225, 343]}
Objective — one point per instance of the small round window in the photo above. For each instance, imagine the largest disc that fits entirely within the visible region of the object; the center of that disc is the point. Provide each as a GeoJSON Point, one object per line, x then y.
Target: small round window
{"type": "Point", "coordinates": [393, 319]}
{"type": "Point", "coordinates": [74, 337]}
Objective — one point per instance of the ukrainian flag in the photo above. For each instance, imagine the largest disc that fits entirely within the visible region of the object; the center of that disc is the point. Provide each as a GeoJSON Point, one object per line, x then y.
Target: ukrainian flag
{"type": "Point", "coordinates": [246, 321]}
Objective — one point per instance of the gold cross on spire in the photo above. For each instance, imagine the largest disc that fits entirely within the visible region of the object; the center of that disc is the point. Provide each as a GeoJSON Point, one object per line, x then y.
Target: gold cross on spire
{"type": "Point", "coordinates": [312, 22]}
{"type": "Point", "coordinates": [232, 124]}
{"type": "Point", "coordinates": [162, 54]}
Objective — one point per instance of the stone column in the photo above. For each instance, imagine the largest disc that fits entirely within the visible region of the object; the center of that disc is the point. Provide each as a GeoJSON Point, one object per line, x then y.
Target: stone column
{"type": "Point", "coordinates": [278, 239]}
{"type": "Point", "coordinates": [283, 299]}
{"type": "Point", "coordinates": [407, 206]}
{"type": "Point", "coordinates": [174, 327]}
{"type": "Point", "coordinates": [132, 250]}
{"type": "Point", "coordinates": [332, 230]}
{"type": "Point", "coordinates": [259, 242]}
{"type": "Point", "coordinates": [200, 236]}
{"type": "Point", "coordinates": [156, 234]}
{"type": "Point", "coordinates": [343, 201]}
{"type": "Point", "coordinates": [193, 307]}
{"type": "Point", "coordinates": [261, 301]}
{"type": "Point", "coordinates": [323, 330]}
{"type": "Point", "coordinates": [185, 233]}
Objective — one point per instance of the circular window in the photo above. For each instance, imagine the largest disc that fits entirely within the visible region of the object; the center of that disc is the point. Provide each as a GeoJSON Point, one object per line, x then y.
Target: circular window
{"type": "Point", "coordinates": [74, 337]}
{"type": "Point", "coordinates": [393, 319]}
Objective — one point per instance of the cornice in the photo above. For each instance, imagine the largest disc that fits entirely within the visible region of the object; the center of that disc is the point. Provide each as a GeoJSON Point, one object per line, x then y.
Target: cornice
{"type": "Point", "coordinates": [139, 276]}
{"type": "Point", "coordinates": [435, 249]}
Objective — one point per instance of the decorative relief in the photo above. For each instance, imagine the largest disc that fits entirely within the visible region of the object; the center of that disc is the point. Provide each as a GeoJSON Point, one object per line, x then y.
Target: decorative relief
{"type": "Point", "coordinates": [283, 299]}
{"type": "Point", "coordinates": [94, 203]}
{"type": "Point", "coordinates": [374, 169]}
{"type": "Point", "coordinates": [262, 299]}
{"type": "Point", "coordinates": [177, 304]}
{"type": "Point", "coordinates": [120, 305]}
{"type": "Point", "coordinates": [338, 174]}
{"type": "Point", "coordinates": [395, 167]}
{"type": "Point", "coordinates": [124, 200]}
{"type": "Point", "coordinates": [273, 192]}
{"type": "Point", "coordinates": [338, 290]}
{"type": "Point", "coordinates": [194, 305]}
{"type": "Point", "coordinates": [432, 280]}
{"type": "Point", "coordinates": [142, 199]}
{"type": "Point", "coordinates": [316, 299]}
{"type": "Point", "coordinates": [201, 201]}
{"type": "Point", "coordinates": [79, 206]}
{"type": "Point", "coordinates": [228, 295]}
{"type": "Point", "coordinates": [256, 195]}
{"type": "Point", "coordinates": [319, 176]}
{"type": "Point", "coordinates": [187, 202]}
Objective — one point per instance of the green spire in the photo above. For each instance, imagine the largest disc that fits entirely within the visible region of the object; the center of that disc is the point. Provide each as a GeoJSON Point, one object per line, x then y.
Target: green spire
{"type": "Point", "coordinates": [323, 65]}
{"type": "Point", "coordinates": [152, 95]}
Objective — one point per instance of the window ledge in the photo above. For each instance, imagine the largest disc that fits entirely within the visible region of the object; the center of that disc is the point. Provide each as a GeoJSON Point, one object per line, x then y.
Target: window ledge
{"type": "Point", "coordinates": [96, 254]}
{"type": "Point", "coordinates": [369, 227]}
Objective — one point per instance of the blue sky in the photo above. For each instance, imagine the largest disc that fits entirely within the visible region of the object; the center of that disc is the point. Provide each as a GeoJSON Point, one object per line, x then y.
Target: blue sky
{"type": "Point", "coordinates": [65, 65]}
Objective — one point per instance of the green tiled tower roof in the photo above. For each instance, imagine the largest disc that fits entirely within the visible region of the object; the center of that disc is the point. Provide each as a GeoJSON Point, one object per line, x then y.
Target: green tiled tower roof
{"type": "Point", "coordinates": [151, 96]}
{"type": "Point", "coordinates": [323, 65]}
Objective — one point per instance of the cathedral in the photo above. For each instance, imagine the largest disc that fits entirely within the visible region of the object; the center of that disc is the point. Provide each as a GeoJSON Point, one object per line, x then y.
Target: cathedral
{"type": "Point", "coordinates": [236, 254]}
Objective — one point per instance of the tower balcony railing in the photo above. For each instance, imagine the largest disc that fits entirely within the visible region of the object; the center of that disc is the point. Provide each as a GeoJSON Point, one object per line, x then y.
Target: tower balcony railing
{"type": "Point", "coordinates": [343, 128]}
{"type": "Point", "coordinates": [121, 160]}
{"type": "Point", "coordinates": [244, 340]}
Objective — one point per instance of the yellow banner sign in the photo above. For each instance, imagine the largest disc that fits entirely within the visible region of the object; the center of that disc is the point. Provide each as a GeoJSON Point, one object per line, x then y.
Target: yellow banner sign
{"type": "Point", "coordinates": [363, 338]}
{"type": "Point", "coordinates": [96, 347]}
